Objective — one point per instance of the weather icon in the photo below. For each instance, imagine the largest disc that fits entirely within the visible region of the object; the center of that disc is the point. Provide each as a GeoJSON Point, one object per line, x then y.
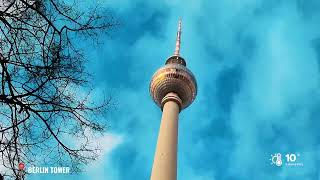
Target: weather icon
{"type": "Point", "coordinates": [276, 159]}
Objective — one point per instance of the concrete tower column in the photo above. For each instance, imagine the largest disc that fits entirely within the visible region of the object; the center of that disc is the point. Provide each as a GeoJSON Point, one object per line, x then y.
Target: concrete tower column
{"type": "Point", "coordinates": [165, 159]}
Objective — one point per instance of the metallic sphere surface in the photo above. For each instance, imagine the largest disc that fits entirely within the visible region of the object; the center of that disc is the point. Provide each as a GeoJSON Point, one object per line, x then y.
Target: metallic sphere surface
{"type": "Point", "coordinates": [176, 78]}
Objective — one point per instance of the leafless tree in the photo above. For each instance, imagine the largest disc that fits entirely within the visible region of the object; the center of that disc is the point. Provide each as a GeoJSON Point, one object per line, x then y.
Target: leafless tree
{"type": "Point", "coordinates": [42, 104]}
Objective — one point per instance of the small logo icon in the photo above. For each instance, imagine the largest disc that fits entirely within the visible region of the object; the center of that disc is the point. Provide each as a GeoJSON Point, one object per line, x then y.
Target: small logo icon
{"type": "Point", "coordinates": [276, 159]}
{"type": "Point", "coordinates": [21, 166]}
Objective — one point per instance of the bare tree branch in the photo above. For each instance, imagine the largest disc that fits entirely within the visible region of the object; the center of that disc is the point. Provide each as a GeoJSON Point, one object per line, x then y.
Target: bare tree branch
{"type": "Point", "coordinates": [41, 72]}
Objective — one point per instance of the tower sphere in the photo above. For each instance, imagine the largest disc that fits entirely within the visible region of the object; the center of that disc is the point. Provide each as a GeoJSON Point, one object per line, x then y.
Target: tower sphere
{"type": "Point", "coordinates": [174, 77]}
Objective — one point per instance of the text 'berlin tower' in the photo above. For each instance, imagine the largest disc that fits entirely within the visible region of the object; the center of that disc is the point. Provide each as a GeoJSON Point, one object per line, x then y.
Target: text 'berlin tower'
{"type": "Point", "coordinates": [173, 88]}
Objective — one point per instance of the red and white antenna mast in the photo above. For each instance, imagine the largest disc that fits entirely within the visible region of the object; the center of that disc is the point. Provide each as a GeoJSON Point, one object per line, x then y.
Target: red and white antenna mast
{"type": "Point", "coordinates": [178, 41]}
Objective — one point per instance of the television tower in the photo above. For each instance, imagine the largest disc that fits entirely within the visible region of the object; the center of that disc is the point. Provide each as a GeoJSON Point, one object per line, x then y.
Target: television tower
{"type": "Point", "coordinates": [173, 87]}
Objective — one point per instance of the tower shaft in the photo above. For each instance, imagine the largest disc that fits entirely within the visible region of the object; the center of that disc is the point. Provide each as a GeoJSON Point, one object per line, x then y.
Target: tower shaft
{"type": "Point", "coordinates": [165, 159]}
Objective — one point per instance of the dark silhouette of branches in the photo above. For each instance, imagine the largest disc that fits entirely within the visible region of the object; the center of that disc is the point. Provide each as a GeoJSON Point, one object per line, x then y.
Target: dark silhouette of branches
{"type": "Point", "coordinates": [42, 99]}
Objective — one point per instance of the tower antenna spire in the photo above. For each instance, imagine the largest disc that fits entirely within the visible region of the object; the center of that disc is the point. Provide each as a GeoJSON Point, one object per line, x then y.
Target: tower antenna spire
{"type": "Point", "coordinates": [178, 41]}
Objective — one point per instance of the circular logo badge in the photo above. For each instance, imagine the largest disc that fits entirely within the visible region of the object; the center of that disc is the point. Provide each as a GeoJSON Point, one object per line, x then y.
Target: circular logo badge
{"type": "Point", "coordinates": [21, 166]}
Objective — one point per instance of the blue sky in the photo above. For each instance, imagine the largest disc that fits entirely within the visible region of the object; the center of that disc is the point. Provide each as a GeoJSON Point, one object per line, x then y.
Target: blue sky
{"type": "Point", "coordinates": [257, 67]}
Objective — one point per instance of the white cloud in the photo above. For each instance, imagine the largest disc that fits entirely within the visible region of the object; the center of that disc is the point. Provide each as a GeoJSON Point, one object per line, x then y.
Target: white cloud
{"type": "Point", "coordinates": [97, 169]}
